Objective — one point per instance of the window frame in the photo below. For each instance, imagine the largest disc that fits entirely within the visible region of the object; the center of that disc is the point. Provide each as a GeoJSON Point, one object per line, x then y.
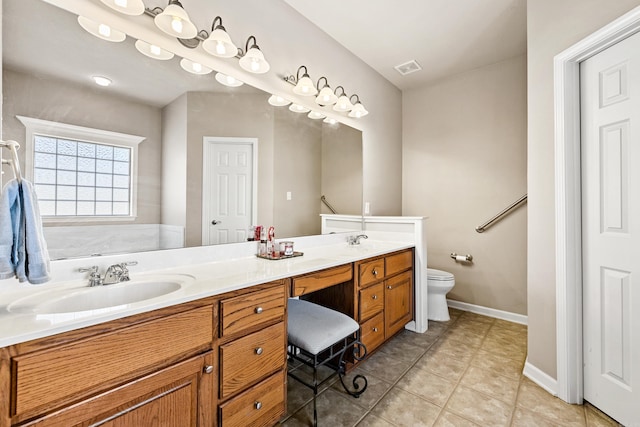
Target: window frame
{"type": "Point", "coordinates": [60, 130]}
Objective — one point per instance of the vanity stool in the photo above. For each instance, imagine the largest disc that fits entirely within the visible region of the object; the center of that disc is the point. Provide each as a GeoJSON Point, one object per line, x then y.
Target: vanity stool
{"type": "Point", "coordinates": [320, 336]}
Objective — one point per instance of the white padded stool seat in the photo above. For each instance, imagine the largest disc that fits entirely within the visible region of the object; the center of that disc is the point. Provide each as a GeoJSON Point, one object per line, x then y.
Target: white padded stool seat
{"type": "Point", "coordinates": [314, 328]}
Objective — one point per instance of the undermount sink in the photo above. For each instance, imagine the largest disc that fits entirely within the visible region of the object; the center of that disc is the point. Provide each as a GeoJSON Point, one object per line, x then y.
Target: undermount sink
{"type": "Point", "coordinates": [99, 297]}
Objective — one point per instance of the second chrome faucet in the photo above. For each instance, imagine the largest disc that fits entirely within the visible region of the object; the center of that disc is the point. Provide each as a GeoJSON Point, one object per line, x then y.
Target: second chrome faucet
{"type": "Point", "coordinates": [115, 273]}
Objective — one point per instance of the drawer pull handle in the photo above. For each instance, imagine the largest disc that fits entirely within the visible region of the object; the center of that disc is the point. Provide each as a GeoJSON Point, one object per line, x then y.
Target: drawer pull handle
{"type": "Point", "coordinates": [375, 329]}
{"type": "Point", "coordinates": [389, 287]}
{"type": "Point", "coordinates": [258, 310]}
{"type": "Point", "coordinates": [258, 405]}
{"type": "Point", "coordinates": [208, 369]}
{"type": "Point", "coordinates": [374, 272]}
{"type": "Point", "coordinates": [375, 297]}
{"type": "Point", "coordinates": [259, 351]}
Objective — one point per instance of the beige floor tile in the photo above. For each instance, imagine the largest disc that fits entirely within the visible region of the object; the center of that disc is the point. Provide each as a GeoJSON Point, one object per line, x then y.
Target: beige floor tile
{"type": "Point", "coordinates": [487, 382]}
{"type": "Point", "coordinates": [447, 419]}
{"type": "Point", "coordinates": [472, 325]}
{"type": "Point", "coordinates": [454, 349]}
{"type": "Point", "coordinates": [372, 421]}
{"type": "Point", "coordinates": [333, 410]}
{"type": "Point", "coordinates": [510, 325]}
{"type": "Point", "coordinates": [479, 408]}
{"type": "Point", "coordinates": [437, 327]}
{"type": "Point", "coordinates": [535, 399]}
{"type": "Point", "coordinates": [403, 350]}
{"type": "Point", "coordinates": [386, 367]}
{"type": "Point", "coordinates": [525, 418]}
{"type": "Point", "coordinates": [505, 348]}
{"type": "Point", "coordinates": [498, 364]}
{"type": "Point", "coordinates": [427, 385]}
{"type": "Point", "coordinates": [596, 418]}
{"type": "Point", "coordinates": [469, 338]}
{"type": "Point", "coordinates": [467, 315]}
{"type": "Point", "coordinates": [394, 408]}
{"type": "Point", "coordinates": [298, 395]}
{"type": "Point", "coordinates": [424, 341]}
{"type": "Point", "coordinates": [376, 388]}
{"type": "Point", "coordinates": [442, 365]}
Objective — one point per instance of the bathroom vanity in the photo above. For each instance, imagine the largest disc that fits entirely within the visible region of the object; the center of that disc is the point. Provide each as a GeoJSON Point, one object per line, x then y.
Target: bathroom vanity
{"type": "Point", "coordinates": [213, 355]}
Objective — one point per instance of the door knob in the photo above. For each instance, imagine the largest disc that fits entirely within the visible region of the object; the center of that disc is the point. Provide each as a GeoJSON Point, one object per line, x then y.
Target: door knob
{"type": "Point", "coordinates": [214, 222]}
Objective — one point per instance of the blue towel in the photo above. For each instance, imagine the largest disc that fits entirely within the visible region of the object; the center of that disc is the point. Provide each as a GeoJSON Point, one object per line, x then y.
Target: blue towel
{"type": "Point", "coordinates": [10, 213]}
{"type": "Point", "coordinates": [28, 256]}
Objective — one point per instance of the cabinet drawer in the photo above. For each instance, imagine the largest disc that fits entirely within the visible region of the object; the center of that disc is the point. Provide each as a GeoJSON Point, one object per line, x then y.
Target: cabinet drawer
{"type": "Point", "coordinates": [248, 359]}
{"type": "Point", "coordinates": [244, 311]}
{"type": "Point", "coordinates": [371, 301]}
{"type": "Point", "coordinates": [373, 332]}
{"type": "Point", "coordinates": [261, 405]}
{"type": "Point", "coordinates": [398, 262]}
{"type": "Point", "coordinates": [69, 372]}
{"type": "Point", "coordinates": [371, 271]}
{"type": "Point", "coordinates": [322, 279]}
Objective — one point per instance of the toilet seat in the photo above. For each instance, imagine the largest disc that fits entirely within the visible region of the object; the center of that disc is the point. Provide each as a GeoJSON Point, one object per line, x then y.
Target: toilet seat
{"type": "Point", "coordinates": [438, 275]}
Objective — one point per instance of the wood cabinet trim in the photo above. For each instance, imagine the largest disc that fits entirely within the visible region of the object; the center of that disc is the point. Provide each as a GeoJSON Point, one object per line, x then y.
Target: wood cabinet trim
{"type": "Point", "coordinates": [321, 279]}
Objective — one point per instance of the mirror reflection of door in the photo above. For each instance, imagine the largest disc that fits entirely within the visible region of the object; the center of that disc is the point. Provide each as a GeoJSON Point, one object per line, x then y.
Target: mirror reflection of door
{"type": "Point", "coordinates": [229, 189]}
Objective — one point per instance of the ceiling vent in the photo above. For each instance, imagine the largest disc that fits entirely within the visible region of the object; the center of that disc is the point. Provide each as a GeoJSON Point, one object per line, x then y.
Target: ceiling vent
{"type": "Point", "coordinates": [408, 67]}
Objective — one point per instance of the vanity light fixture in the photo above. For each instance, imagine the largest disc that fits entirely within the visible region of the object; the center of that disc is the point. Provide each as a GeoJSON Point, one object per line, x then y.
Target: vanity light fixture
{"type": "Point", "coordinates": [175, 21]}
{"type": "Point", "coordinates": [102, 81]}
{"type": "Point", "coordinates": [153, 51]}
{"type": "Point", "coordinates": [342, 104]}
{"type": "Point", "coordinates": [227, 80]}
{"type": "Point", "coordinates": [128, 7]}
{"type": "Point", "coordinates": [358, 109]}
{"type": "Point", "coordinates": [253, 60]}
{"type": "Point", "coordinates": [304, 85]}
{"type": "Point", "coordinates": [194, 67]}
{"type": "Point", "coordinates": [219, 43]}
{"type": "Point", "coordinates": [100, 30]}
{"type": "Point", "coordinates": [330, 120]}
{"type": "Point", "coordinates": [315, 115]}
{"type": "Point", "coordinates": [297, 108]}
{"type": "Point", "coordinates": [278, 101]}
{"type": "Point", "coordinates": [326, 95]}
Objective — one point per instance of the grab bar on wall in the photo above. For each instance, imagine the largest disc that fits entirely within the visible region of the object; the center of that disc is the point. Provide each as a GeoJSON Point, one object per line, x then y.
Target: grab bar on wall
{"type": "Point", "coordinates": [501, 214]}
{"type": "Point", "coordinates": [327, 204]}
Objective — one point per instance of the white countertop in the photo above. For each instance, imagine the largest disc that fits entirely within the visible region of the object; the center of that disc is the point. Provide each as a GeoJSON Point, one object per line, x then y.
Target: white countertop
{"type": "Point", "coordinates": [209, 278]}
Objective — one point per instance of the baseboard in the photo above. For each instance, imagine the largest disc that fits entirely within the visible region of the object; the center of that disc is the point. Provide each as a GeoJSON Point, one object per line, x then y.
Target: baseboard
{"type": "Point", "coordinates": [486, 311]}
{"type": "Point", "coordinates": [540, 378]}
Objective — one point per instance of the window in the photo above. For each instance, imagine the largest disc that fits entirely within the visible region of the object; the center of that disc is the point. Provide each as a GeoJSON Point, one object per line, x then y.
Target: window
{"type": "Point", "coordinates": [81, 173]}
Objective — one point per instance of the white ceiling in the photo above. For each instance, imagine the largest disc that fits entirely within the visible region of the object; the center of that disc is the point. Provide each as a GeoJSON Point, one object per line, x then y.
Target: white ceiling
{"type": "Point", "coordinates": [446, 37]}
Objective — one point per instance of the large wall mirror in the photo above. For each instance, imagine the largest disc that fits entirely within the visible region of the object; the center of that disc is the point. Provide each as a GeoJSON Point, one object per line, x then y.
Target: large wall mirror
{"type": "Point", "coordinates": [187, 123]}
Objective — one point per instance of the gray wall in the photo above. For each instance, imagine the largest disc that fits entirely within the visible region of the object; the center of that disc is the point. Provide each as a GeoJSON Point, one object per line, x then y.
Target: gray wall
{"type": "Point", "coordinates": [552, 26]}
{"type": "Point", "coordinates": [58, 101]}
{"type": "Point", "coordinates": [464, 160]}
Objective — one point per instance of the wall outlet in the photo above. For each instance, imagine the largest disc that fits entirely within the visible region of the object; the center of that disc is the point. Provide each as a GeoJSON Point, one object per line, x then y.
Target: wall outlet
{"type": "Point", "coordinates": [367, 208]}
{"type": "Point", "coordinates": [288, 195]}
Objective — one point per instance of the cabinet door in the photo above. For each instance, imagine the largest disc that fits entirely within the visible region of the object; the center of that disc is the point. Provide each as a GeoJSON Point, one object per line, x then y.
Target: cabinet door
{"type": "Point", "coordinates": [398, 300]}
{"type": "Point", "coordinates": [179, 396]}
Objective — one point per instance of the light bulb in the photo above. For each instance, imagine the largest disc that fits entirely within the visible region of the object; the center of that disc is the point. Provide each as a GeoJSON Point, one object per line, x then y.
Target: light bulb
{"type": "Point", "coordinates": [231, 80]}
{"type": "Point", "coordinates": [105, 30]}
{"type": "Point", "coordinates": [358, 114]}
{"type": "Point", "coordinates": [102, 81]}
{"type": "Point", "coordinates": [255, 65]}
{"type": "Point", "coordinates": [155, 50]}
{"type": "Point", "coordinates": [220, 48]}
{"type": "Point", "coordinates": [197, 67]}
{"type": "Point", "coordinates": [121, 3]}
{"type": "Point", "coordinates": [326, 98]}
{"type": "Point", "coordinates": [176, 24]}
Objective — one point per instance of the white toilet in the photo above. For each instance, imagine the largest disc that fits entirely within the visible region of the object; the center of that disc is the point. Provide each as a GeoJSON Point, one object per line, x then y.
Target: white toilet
{"type": "Point", "coordinates": [439, 283]}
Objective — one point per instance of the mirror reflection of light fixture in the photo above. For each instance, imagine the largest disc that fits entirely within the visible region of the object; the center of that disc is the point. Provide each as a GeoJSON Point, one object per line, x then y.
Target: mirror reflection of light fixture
{"type": "Point", "coordinates": [253, 59]}
{"type": "Point", "coordinates": [278, 101]}
{"type": "Point", "coordinates": [153, 51]}
{"type": "Point", "coordinates": [358, 109]}
{"type": "Point", "coordinates": [342, 104]}
{"type": "Point", "coordinates": [330, 120]}
{"type": "Point", "coordinates": [102, 81]}
{"type": "Point", "coordinates": [128, 7]}
{"type": "Point", "coordinates": [228, 80]}
{"type": "Point", "coordinates": [194, 67]}
{"type": "Point", "coordinates": [326, 95]}
{"type": "Point", "coordinates": [304, 85]}
{"type": "Point", "coordinates": [102, 31]}
{"type": "Point", "coordinates": [175, 21]}
{"type": "Point", "coordinates": [297, 108]}
{"type": "Point", "coordinates": [316, 115]}
{"type": "Point", "coordinates": [219, 43]}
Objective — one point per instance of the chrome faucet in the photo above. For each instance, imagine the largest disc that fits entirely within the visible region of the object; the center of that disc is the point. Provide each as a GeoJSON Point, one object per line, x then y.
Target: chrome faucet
{"type": "Point", "coordinates": [355, 240]}
{"type": "Point", "coordinates": [116, 273]}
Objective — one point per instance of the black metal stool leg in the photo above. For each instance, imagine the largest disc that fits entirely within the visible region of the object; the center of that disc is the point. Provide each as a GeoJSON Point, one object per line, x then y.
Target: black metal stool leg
{"type": "Point", "coordinates": [357, 347]}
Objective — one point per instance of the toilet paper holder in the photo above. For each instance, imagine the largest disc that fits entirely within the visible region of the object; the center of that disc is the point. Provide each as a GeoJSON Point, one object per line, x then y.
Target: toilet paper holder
{"type": "Point", "coordinates": [462, 258]}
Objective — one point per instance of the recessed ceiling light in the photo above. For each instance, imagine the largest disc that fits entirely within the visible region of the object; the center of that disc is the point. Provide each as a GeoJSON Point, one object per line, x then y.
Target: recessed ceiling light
{"type": "Point", "coordinates": [408, 67]}
{"type": "Point", "coordinates": [102, 81]}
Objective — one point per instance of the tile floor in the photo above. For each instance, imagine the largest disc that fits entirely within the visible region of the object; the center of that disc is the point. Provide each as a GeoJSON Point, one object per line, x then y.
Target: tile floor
{"type": "Point", "coordinates": [465, 372]}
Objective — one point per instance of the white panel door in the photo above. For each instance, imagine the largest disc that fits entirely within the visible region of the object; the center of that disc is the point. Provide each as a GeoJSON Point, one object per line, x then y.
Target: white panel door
{"type": "Point", "coordinates": [228, 186]}
{"type": "Point", "coordinates": [610, 116]}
